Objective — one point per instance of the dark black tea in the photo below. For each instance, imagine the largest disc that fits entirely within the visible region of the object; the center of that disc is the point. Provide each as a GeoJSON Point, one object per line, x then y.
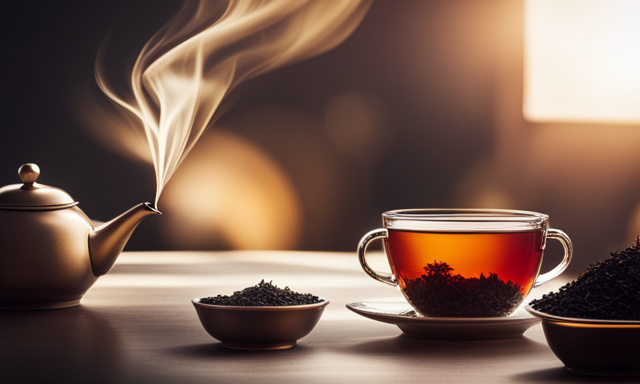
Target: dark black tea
{"type": "Point", "coordinates": [263, 295]}
{"type": "Point", "coordinates": [608, 290]}
{"type": "Point", "coordinates": [465, 274]}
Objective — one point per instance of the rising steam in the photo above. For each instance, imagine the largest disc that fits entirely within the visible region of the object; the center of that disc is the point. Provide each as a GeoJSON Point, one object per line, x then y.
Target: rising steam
{"type": "Point", "coordinates": [187, 68]}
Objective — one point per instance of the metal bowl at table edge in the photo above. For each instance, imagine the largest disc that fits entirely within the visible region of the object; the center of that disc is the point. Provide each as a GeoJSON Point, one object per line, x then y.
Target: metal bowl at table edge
{"type": "Point", "coordinates": [591, 346]}
{"type": "Point", "coordinates": [259, 328]}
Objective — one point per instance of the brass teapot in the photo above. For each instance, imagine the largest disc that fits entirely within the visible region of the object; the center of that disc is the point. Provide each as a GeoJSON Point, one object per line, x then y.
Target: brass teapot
{"type": "Point", "coordinates": [51, 253]}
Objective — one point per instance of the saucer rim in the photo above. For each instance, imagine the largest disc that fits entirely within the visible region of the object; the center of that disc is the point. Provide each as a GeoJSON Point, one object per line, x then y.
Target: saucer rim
{"type": "Point", "coordinates": [356, 307]}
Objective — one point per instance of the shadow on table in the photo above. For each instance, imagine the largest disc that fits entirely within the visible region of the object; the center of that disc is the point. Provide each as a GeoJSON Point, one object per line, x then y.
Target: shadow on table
{"type": "Point", "coordinates": [562, 375]}
{"type": "Point", "coordinates": [418, 348]}
{"type": "Point", "coordinates": [216, 349]}
{"type": "Point", "coordinates": [72, 345]}
{"type": "Point", "coordinates": [199, 350]}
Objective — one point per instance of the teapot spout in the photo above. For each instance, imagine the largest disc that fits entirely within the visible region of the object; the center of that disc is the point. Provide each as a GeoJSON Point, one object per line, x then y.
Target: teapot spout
{"type": "Point", "coordinates": [107, 241]}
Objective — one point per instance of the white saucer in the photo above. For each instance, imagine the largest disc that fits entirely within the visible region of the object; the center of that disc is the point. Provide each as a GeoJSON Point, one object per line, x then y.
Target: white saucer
{"type": "Point", "coordinates": [401, 314]}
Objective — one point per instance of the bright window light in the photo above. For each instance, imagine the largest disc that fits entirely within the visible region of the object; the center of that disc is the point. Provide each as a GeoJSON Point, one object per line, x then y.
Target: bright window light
{"type": "Point", "coordinates": [582, 61]}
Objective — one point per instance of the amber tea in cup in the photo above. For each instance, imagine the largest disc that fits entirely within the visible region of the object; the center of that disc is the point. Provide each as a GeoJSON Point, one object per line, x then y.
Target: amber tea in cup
{"type": "Point", "coordinates": [465, 263]}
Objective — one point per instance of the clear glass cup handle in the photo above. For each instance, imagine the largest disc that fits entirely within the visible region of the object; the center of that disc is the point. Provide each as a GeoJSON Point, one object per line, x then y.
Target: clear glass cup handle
{"type": "Point", "coordinates": [568, 253]}
{"type": "Point", "coordinates": [362, 247]}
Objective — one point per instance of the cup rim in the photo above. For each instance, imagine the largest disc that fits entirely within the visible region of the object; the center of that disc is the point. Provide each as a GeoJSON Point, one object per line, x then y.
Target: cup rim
{"type": "Point", "coordinates": [464, 214]}
{"type": "Point", "coordinates": [464, 219]}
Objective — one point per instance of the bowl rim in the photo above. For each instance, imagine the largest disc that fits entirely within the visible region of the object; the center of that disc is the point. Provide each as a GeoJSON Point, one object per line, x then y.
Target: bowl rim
{"type": "Point", "coordinates": [554, 318]}
{"type": "Point", "coordinates": [196, 302]}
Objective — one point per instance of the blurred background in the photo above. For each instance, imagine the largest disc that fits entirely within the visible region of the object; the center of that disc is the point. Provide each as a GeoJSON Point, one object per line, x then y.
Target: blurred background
{"type": "Point", "coordinates": [421, 107]}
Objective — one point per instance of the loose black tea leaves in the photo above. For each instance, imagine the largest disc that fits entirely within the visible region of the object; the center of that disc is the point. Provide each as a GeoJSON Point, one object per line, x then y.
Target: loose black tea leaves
{"type": "Point", "coordinates": [440, 293]}
{"type": "Point", "coordinates": [608, 290]}
{"type": "Point", "coordinates": [263, 295]}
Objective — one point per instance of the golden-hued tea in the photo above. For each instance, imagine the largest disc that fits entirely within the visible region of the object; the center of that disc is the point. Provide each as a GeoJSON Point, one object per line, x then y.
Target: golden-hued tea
{"type": "Point", "coordinates": [465, 274]}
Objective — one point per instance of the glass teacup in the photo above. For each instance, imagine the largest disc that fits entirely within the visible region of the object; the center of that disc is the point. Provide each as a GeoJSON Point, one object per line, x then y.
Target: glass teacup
{"type": "Point", "coordinates": [465, 262]}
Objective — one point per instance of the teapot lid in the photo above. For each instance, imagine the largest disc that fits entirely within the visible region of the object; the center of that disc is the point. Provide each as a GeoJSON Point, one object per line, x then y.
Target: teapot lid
{"type": "Point", "coordinates": [30, 196]}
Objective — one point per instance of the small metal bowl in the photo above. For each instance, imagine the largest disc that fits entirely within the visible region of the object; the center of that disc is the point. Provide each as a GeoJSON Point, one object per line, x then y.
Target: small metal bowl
{"type": "Point", "coordinates": [593, 347]}
{"type": "Point", "coordinates": [259, 328]}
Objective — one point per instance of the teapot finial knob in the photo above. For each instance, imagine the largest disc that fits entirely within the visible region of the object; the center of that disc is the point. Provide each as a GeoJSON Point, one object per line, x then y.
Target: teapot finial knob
{"type": "Point", "coordinates": [29, 173]}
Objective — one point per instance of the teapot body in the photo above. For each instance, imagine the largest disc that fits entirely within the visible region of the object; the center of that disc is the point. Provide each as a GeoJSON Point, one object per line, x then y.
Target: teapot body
{"type": "Point", "coordinates": [44, 258]}
{"type": "Point", "coordinates": [50, 251]}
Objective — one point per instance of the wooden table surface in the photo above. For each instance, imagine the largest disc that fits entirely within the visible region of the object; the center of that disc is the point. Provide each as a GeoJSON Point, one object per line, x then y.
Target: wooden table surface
{"type": "Point", "coordinates": [137, 325]}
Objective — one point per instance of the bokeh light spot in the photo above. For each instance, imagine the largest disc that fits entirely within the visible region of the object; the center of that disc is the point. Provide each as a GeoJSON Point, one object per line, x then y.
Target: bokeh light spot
{"type": "Point", "coordinates": [230, 194]}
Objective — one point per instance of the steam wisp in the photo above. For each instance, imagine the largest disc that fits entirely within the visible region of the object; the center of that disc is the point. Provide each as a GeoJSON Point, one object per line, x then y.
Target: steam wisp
{"type": "Point", "coordinates": [187, 68]}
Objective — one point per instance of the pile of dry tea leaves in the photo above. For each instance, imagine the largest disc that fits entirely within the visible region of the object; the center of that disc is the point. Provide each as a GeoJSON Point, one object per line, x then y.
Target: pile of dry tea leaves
{"type": "Point", "coordinates": [439, 293]}
{"type": "Point", "coordinates": [607, 290]}
{"type": "Point", "coordinates": [263, 295]}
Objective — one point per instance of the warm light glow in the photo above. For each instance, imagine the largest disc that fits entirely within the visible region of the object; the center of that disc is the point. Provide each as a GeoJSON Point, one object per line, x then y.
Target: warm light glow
{"type": "Point", "coordinates": [186, 70]}
{"type": "Point", "coordinates": [633, 230]}
{"type": "Point", "coordinates": [582, 61]}
{"type": "Point", "coordinates": [481, 187]}
{"type": "Point", "coordinates": [230, 194]}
